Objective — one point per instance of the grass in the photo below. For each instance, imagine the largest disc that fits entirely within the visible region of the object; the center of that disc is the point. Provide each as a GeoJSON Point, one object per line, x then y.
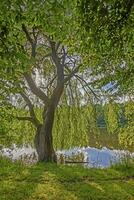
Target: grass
{"type": "Point", "coordinates": [60, 182]}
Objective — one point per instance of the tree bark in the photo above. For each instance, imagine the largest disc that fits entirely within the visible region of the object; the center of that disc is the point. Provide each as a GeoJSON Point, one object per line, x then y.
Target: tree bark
{"type": "Point", "coordinates": [44, 138]}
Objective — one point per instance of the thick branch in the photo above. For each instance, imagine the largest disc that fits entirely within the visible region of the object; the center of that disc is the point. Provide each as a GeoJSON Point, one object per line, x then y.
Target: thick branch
{"type": "Point", "coordinates": [33, 117]}
{"type": "Point", "coordinates": [56, 60]}
{"type": "Point", "coordinates": [35, 90]}
{"type": "Point", "coordinates": [32, 41]}
{"type": "Point", "coordinates": [57, 94]}
{"type": "Point", "coordinates": [64, 55]}
{"type": "Point", "coordinates": [27, 34]}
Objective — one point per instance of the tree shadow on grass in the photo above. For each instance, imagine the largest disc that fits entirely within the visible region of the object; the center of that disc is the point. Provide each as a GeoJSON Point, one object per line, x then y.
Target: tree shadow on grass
{"type": "Point", "coordinates": [18, 181]}
{"type": "Point", "coordinates": [95, 184]}
{"type": "Point", "coordinates": [52, 182]}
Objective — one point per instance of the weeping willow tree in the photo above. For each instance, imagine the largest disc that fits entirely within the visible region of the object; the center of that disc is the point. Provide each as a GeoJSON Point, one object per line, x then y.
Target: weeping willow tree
{"type": "Point", "coordinates": [107, 37]}
{"type": "Point", "coordinates": [111, 111]}
{"type": "Point", "coordinates": [66, 117]}
{"type": "Point", "coordinates": [79, 126]}
{"type": "Point", "coordinates": [13, 131]}
{"type": "Point", "coordinates": [126, 133]}
{"type": "Point", "coordinates": [72, 119]}
{"type": "Point", "coordinates": [32, 39]}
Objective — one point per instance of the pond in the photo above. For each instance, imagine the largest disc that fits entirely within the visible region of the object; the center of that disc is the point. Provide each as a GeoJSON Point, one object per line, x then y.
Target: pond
{"type": "Point", "coordinates": [89, 156]}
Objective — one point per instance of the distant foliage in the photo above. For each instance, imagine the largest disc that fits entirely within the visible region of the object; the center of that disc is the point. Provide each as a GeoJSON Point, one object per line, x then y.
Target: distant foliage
{"type": "Point", "coordinates": [14, 131]}
{"type": "Point", "coordinates": [111, 117]}
{"type": "Point", "coordinates": [73, 123]}
{"type": "Point", "coordinates": [110, 125]}
{"type": "Point", "coordinates": [126, 134]}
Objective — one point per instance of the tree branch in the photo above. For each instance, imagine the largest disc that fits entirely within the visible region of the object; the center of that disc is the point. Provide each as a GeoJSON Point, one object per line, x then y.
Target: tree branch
{"type": "Point", "coordinates": [80, 78]}
{"type": "Point", "coordinates": [56, 60]}
{"type": "Point", "coordinates": [35, 90]}
{"type": "Point", "coordinates": [64, 55]}
{"type": "Point", "coordinates": [24, 118]}
{"type": "Point", "coordinates": [33, 117]}
{"type": "Point", "coordinates": [51, 82]}
{"type": "Point", "coordinates": [27, 34]}
{"type": "Point", "coordinates": [72, 73]}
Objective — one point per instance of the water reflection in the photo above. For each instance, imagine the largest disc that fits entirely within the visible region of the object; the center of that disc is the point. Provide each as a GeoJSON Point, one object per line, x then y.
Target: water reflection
{"type": "Point", "coordinates": [90, 156]}
{"type": "Point", "coordinates": [98, 157]}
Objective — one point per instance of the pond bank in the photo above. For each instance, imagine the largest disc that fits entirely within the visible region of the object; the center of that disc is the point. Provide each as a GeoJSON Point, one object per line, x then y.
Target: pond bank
{"type": "Point", "coordinates": [61, 182]}
{"type": "Point", "coordinates": [91, 157]}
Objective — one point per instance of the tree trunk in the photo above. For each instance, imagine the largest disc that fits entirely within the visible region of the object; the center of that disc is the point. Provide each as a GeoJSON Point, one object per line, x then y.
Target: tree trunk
{"type": "Point", "coordinates": [44, 138]}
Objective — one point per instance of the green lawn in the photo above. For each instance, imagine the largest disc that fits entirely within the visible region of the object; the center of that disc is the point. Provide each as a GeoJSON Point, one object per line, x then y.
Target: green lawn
{"type": "Point", "coordinates": [52, 182]}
